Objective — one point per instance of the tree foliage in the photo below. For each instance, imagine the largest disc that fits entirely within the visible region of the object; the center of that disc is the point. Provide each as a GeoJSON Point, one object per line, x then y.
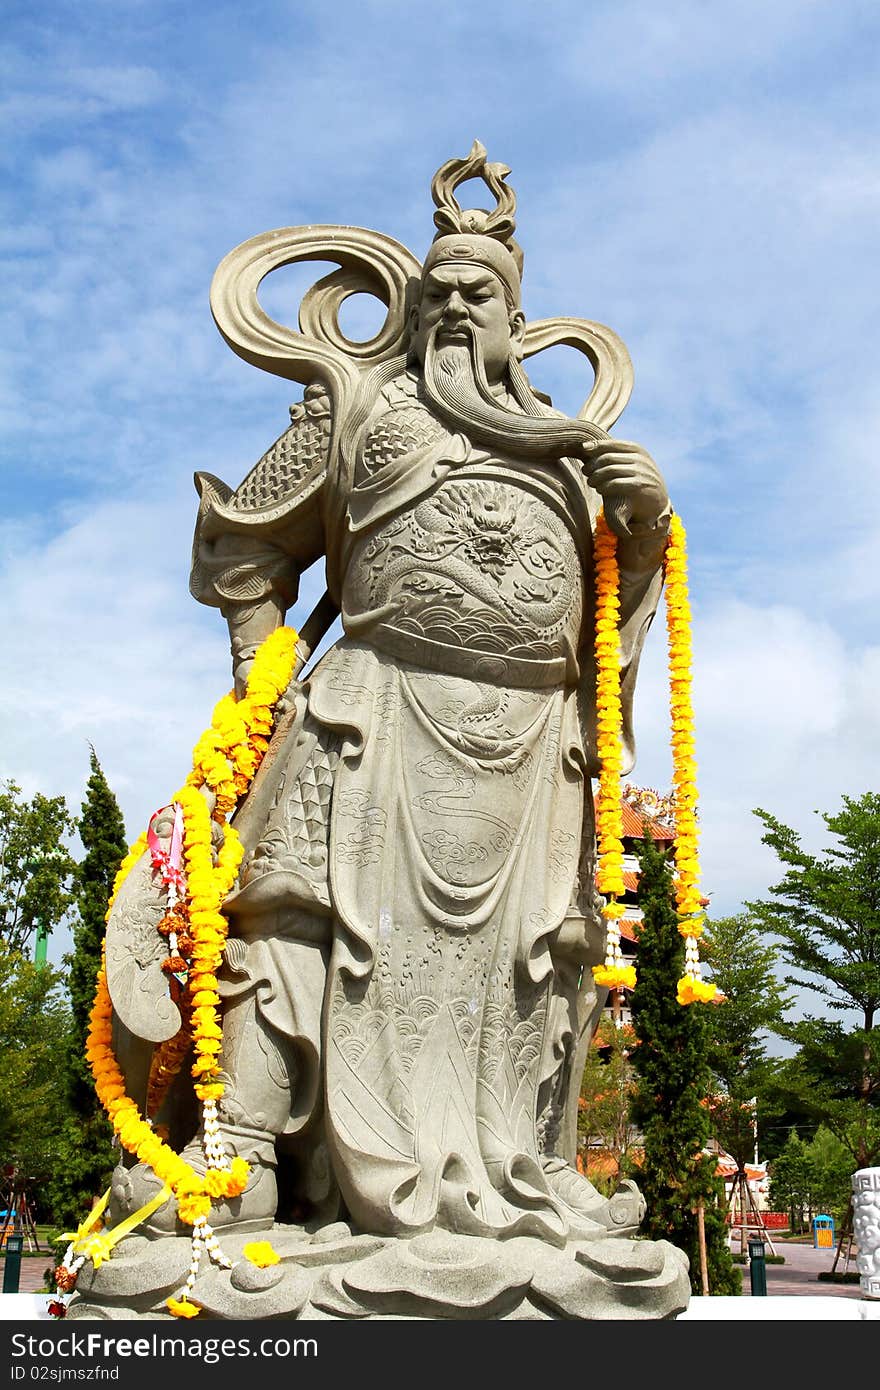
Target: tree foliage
{"type": "Point", "coordinates": [809, 1178]}
{"type": "Point", "coordinates": [34, 1040]}
{"type": "Point", "coordinates": [606, 1088]}
{"type": "Point", "coordinates": [743, 964]}
{"type": "Point", "coordinates": [825, 911]}
{"type": "Point", "coordinates": [36, 867]}
{"type": "Point", "coordinates": [744, 967]}
{"type": "Point", "coordinates": [88, 1156]}
{"type": "Point", "coordinates": [102, 832]}
{"type": "Point", "coordinates": [674, 1082]}
{"type": "Point", "coordinates": [826, 908]}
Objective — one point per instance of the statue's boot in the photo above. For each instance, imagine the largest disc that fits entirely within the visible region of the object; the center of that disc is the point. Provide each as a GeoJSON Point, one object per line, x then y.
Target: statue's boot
{"type": "Point", "coordinates": [621, 1214]}
{"type": "Point", "coordinates": [253, 1210]}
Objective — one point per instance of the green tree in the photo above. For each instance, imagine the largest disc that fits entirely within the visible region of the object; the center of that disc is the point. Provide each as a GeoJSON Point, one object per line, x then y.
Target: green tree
{"type": "Point", "coordinates": [744, 965]}
{"type": "Point", "coordinates": [670, 1100]}
{"type": "Point", "coordinates": [832, 1169]}
{"type": "Point", "coordinates": [808, 1178]}
{"type": "Point", "coordinates": [606, 1088]}
{"type": "Point", "coordinates": [34, 1042]}
{"type": "Point", "coordinates": [744, 968]}
{"type": "Point", "coordinates": [791, 1182]}
{"type": "Point", "coordinates": [36, 867]}
{"type": "Point", "coordinates": [87, 1140]}
{"type": "Point", "coordinates": [825, 912]}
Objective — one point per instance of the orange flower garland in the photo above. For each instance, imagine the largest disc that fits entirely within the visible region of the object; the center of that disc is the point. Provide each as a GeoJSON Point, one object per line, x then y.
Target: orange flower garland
{"type": "Point", "coordinates": [225, 759]}
{"type": "Point", "coordinates": [168, 1058]}
{"type": "Point", "coordinates": [612, 974]}
{"type": "Point", "coordinates": [691, 987]}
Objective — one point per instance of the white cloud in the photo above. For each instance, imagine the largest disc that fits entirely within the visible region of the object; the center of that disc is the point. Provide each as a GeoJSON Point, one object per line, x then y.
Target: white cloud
{"type": "Point", "coordinates": [118, 88]}
{"type": "Point", "coordinates": [640, 51]}
{"type": "Point", "coordinates": [784, 720]}
{"type": "Point", "coordinates": [109, 652]}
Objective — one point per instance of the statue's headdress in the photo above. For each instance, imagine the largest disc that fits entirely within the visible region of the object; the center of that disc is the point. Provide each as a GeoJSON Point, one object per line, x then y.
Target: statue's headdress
{"type": "Point", "coordinates": [475, 234]}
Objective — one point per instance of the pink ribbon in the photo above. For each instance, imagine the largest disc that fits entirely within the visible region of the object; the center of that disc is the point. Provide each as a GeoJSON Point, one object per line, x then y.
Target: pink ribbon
{"type": "Point", "coordinates": [167, 862]}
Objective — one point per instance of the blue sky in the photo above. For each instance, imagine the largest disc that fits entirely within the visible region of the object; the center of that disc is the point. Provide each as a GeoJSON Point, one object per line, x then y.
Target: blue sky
{"type": "Point", "coordinates": [701, 178]}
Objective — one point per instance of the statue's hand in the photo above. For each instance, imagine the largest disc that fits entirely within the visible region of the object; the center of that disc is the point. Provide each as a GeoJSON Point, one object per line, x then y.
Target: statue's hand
{"type": "Point", "coordinates": [629, 483]}
{"type": "Point", "coordinates": [242, 671]}
{"type": "Point", "coordinates": [287, 701]}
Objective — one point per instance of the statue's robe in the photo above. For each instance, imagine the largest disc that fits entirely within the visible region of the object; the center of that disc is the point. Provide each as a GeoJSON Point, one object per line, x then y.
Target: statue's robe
{"type": "Point", "coordinates": [423, 824]}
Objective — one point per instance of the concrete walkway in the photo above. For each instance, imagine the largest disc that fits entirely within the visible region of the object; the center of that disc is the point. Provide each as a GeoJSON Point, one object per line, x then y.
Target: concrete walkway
{"type": "Point", "coordinates": [799, 1274]}
{"type": "Point", "coordinates": [32, 1271]}
{"type": "Point", "coordinates": [794, 1292]}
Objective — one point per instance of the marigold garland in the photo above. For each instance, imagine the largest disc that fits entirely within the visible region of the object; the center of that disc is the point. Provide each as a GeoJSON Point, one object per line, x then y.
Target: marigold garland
{"type": "Point", "coordinates": [613, 973]}
{"type": "Point", "coordinates": [224, 760]}
{"type": "Point", "coordinates": [688, 898]}
{"type": "Point", "coordinates": [609, 815]}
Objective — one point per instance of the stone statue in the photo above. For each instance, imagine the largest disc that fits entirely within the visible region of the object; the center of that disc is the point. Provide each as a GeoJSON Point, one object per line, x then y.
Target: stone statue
{"type": "Point", "coordinates": [407, 994]}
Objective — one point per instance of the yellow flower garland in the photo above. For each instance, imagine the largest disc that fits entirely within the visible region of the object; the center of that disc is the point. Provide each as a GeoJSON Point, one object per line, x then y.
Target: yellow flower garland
{"type": "Point", "coordinates": [225, 760]}
{"type": "Point", "coordinates": [609, 816]}
{"type": "Point", "coordinates": [612, 974]}
{"type": "Point", "coordinates": [688, 898]}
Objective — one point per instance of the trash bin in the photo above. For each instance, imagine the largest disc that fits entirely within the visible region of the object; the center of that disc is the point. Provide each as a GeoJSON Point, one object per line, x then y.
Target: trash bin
{"type": "Point", "coordinates": [823, 1232]}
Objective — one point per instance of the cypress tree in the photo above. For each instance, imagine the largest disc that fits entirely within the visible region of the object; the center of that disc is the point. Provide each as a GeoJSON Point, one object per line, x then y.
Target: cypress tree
{"type": "Point", "coordinates": [670, 1101]}
{"type": "Point", "coordinates": [102, 831]}
{"type": "Point", "coordinates": [87, 1157]}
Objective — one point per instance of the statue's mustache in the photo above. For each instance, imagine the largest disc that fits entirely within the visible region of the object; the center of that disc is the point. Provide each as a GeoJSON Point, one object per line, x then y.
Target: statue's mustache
{"type": "Point", "coordinates": [456, 387]}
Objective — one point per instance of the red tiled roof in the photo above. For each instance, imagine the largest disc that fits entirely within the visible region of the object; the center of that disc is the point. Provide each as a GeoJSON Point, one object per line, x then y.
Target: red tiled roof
{"type": "Point", "coordinates": [726, 1167]}
{"type": "Point", "coordinates": [634, 823]}
{"type": "Point", "coordinates": [627, 927]}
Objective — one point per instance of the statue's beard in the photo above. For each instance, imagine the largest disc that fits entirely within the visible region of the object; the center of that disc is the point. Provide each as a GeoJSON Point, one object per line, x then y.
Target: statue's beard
{"type": "Point", "coordinates": [456, 387]}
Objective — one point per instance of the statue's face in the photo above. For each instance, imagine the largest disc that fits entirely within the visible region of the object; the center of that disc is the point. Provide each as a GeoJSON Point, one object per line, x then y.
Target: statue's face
{"type": "Point", "coordinates": [461, 301]}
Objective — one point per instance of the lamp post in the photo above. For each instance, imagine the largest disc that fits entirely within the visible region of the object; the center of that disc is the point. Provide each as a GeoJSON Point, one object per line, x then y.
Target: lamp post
{"type": "Point", "coordinates": [757, 1266]}
{"type": "Point", "coordinates": [12, 1263]}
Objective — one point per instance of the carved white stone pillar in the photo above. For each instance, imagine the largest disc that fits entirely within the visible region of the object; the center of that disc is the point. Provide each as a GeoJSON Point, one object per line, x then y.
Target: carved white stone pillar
{"type": "Point", "coordinates": [866, 1228]}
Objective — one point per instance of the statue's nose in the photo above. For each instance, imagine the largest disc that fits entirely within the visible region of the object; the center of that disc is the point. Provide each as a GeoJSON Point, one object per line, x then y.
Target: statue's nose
{"type": "Point", "coordinates": [455, 308]}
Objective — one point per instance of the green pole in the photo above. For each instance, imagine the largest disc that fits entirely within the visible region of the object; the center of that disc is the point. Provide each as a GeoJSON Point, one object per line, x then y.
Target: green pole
{"type": "Point", "coordinates": [757, 1267]}
{"type": "Point", "coordinates": [40, 944]}
{"type": "Point", "coordinates": [41, 940]}
{"type": "Point", "coordinates": [12, 1263]}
